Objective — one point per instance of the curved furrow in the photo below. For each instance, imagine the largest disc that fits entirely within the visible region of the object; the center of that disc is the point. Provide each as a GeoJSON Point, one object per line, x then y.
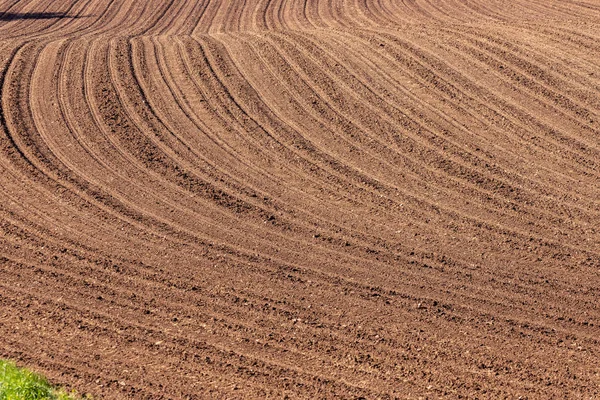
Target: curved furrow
{"type": "Point", "coordinates": [218, 17]}
{"type": "Point", "coordinates": [560, 135]}
{"type": "Point", "coordinates": [75, 20]}
{"type": "Point", "coordinates": [238, 159]}
{"type": "Point", "coordinates": [182, 21]}
{"type": "Point", "coordinates": [65, 146]}
{"type": "Point", "coordinates": [462, 98]}
{"type": "Point", "coordinates": [382, 116]}
{"type": "Point", "coordinates": [190, 98]}
{"type": "Point", "coordinates": [90, 317]}
{"type": "Point", "coordinates": [553, 68]}
{"type": "Point", "coordinates": [301, 199]}
{"type": "Point", "coordinates": [205, 19]}
{"type": "Point", "coordinates": [261, 145]}
{"type": "Point", "coordinates": [121, 178]}
{"type": "Point", "coordinates": [267, 145]}
{"type": "Point", "coordinates": [583, 70]}
{"type": "Point", "coordinates": [216, 169]}
{"type": "Point", "coordinates": [264, 215]}
{"type": "Point", "coordinates": [487, 95]}
{"type": "Point", "coordinates": [62, 173]}
{"type": "Point", "coordinates": [447, 91]}
{"type": "Point", "coordinates": [379, 13]}
{"type": "Point", "coordinates": [294, 15]}
{"type": "Point", "coordinates": [314, 115]}
{"type": "Point", "coordinates": [436, 66]}
{"type": "Point", "coordinates": [25, 144]}
{"type": "Point", "coordinates": [241, 172]}
{"type": "Point", "coordinates": [534, 78]}
{"type": "Point", "coordinates": [214, 227]}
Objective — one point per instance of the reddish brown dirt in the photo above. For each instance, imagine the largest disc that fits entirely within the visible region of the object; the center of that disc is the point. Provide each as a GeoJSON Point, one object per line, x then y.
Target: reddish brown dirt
{"type": "Point", "coordinates": [314, 199]}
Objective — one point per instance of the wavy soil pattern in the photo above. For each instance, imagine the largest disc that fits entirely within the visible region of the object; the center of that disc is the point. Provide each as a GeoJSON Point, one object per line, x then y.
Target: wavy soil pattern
{"type": "Point", "coordinates": [302, 199]}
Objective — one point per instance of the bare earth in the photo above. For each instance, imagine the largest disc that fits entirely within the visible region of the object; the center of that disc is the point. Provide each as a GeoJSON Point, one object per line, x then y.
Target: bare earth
{"type": "Point", "coordinates": [334, 199]}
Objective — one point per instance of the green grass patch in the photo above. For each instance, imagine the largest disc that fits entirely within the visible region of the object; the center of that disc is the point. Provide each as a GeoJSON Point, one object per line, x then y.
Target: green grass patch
{"type": "Point", "coordinates": [21, 384]}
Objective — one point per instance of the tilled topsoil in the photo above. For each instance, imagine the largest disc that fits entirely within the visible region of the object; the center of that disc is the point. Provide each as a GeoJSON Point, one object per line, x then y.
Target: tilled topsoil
{"type": "Point", "coordinates": [343, 199]}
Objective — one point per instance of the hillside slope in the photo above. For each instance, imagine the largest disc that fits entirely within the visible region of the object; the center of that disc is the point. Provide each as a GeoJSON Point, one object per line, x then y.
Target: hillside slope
{"type": "Point", "coordinates": [315, 199]}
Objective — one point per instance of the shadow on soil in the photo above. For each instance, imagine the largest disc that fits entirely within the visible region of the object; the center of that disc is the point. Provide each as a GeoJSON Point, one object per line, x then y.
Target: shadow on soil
{"type": "Point", "coordinates": [34, 15]}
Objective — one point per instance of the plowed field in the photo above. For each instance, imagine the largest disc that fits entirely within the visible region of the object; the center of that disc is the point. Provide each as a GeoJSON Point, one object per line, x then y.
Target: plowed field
{"type": "Point", "coordinates": [335, 199]}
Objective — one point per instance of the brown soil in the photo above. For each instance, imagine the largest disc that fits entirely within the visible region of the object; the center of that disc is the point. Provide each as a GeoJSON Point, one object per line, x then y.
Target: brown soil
{"type": "Point", "coordinates": [315, 199]}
